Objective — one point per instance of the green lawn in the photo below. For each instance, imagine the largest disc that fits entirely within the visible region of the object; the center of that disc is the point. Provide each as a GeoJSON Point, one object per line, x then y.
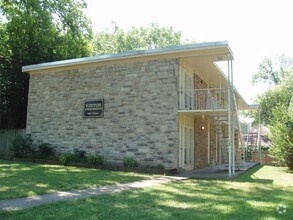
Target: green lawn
{"type": "Point", "coordinates": [254, 195]}
{"type": "Point", "coordinates": [27, 179]}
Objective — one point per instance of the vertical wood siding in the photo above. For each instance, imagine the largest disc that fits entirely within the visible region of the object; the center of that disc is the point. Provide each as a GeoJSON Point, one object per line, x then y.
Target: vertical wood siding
{"type": "Point", "coordinates": [6, 136]}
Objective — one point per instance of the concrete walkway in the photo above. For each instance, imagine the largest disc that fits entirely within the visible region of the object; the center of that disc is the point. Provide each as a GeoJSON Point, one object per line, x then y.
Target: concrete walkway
{"type": "Point", "coordinates": [28, 202]}
{"type": "Point", "coordinates": [217, 172]}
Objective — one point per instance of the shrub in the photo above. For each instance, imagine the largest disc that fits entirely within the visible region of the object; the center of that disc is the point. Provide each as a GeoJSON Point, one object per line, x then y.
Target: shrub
{"type": "Point", "coordinates": [282, 139]}
{"type": "Point", "coordinates": [158, 166]}
{"type": "Point", "coordinates": [130, 162]}
{"type": "Point", "coordinates": [79, 153]}
{"type": "Point", "coordinates": [22, 146]}
{"type": "Point", "coordinates": [64, 159]}
{"type": "Point", "coordinates": [79, 156]}
{"type": "Point", "coordinates": [45, 150]}
{"type": "Point", "coordinates": [95, 159]}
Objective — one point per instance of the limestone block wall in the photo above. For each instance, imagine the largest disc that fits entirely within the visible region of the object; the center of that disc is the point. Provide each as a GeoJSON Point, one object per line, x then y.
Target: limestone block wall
{"type": "Point", "coordinates": [140, 111]}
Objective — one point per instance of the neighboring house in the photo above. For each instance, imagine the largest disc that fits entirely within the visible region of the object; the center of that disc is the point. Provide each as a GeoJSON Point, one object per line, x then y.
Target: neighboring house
{"type": "Point", "coordinates": [171, 106]}
{"type": "Point", "coordinates": [252, 135]}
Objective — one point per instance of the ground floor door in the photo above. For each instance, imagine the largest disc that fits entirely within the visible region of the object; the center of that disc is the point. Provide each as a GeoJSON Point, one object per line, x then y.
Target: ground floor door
{"type": "Point", "coordinates": [186, 143]}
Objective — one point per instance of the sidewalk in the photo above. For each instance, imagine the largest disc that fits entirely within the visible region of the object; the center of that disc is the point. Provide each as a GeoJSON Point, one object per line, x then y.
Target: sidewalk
{"type": "Point", "coordinates": [28, 202]}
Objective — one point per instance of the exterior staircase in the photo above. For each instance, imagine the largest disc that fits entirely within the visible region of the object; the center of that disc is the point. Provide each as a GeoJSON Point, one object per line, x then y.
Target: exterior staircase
{"type": "Point", "coordinates": [221, 125]}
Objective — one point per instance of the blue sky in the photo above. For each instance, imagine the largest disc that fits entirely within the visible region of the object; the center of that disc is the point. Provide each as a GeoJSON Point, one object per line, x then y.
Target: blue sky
{"type": "Point", "coordinates": [254, 28]}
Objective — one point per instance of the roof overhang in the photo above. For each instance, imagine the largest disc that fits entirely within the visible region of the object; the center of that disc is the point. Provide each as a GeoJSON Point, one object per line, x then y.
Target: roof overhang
{"type": "Point", "coordinates": [210, 52]}
{"type": "Point", "coordinates": [220, 50]}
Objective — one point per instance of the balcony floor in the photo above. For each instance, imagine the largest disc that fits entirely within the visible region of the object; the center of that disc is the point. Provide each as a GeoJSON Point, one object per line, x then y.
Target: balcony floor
{"type": "Point", "coordinates": [217, 112]}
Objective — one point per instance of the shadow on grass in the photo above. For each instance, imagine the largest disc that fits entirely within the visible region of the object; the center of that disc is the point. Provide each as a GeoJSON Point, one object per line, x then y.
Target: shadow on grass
{"type": "Point", "coordinates": [244, 198]}
{"type": "Point", "coordinates": [193, 199]}
{"type": "Point", "coordinates": [26, 179]}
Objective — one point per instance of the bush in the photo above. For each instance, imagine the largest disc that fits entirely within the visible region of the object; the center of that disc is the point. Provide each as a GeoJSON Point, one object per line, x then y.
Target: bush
{"type": "Point", "coordinates": [79, 156]}
{"type": "Point", "coordinates": [45, 150]}
{"type": "Point", "coordinates": [95, 159]}
{"type": "Point", "coordinates": [64, 159]}
{"type": "Point", "coordinates": [282, 140]}
{"type": "Point", "coordinates": [22, 146]}
{"type": "Point", "coordinates": [158, 166]}
{"type": "Point", "coordinates": [130, 162]}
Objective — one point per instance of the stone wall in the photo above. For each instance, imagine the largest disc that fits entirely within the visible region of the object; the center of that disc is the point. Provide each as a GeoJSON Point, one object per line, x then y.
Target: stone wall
{"type": "Point", "coordinates": [200, 142]}
{"type": "Point", "coordinates": [140, 116]}
{"type": "Point", "coordinates": [213, 140]}
{"type": "Point", "coordinates": [201, 136]}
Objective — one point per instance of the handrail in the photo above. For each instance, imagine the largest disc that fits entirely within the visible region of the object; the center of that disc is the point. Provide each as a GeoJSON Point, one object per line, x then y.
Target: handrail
{"type": "Point", "coordinates": [203, 99]}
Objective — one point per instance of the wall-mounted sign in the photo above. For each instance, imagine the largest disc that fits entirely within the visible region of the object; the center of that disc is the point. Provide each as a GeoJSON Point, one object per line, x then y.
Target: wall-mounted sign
{"type": "Point", "coordinates": [94, 108]}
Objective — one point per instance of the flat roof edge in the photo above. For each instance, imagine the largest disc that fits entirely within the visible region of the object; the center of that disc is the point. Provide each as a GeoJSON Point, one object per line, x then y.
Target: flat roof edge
{"type": "Point", "coordinates": [125, 55]}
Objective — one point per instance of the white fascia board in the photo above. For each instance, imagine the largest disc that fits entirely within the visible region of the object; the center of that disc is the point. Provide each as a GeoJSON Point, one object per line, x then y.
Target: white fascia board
{"type": "Point", "coordinates": [125, 55]}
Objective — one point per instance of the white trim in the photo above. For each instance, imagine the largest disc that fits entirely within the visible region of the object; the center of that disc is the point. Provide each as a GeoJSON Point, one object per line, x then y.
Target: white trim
{"type": "Point", "coordinates": [127, 55]}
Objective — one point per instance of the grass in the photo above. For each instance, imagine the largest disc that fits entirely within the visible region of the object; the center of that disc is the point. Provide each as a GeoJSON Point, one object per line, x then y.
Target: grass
{"type": "Point", "coordinates": [254, 195]}
{"type": "Point", "coordinates": [27, 179]}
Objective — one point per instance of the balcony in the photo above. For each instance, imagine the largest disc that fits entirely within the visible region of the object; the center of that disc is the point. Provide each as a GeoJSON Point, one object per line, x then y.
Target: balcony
{"type": "Point", "coordinates": [203, 99]}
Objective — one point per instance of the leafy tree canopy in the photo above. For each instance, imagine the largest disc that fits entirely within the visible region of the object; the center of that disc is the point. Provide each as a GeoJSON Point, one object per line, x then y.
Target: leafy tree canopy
{"type": "Point", "coordinates": [117, 40]}
{"type": "Point", "coordinates": [275, 97]}
{"type": "Point", "coordinates": [41, 31]}
{"type": "Point", "coordinates": [282, 135]}
{"type": "Point", "coordinates": [36, 31]}
{"type": "Point", "coordinates": [276, 106]}
{"type": "Point", "coordinates": [273, 72]}
{"type": "Point", "coordinates": [279, 74]}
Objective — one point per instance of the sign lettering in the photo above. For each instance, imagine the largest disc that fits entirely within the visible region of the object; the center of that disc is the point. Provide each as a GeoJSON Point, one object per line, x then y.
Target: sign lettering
{"type": "Point", "coordinates": [94, 108]}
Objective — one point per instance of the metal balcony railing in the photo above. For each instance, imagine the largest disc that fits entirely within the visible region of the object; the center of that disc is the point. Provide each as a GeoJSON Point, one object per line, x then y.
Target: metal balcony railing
{"type": "Point", "coordinates": [203, 99]}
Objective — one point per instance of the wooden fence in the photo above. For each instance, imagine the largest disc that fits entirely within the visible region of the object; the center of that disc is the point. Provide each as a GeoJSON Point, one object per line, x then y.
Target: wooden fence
{"type": "Point", "coordinates": [6, 136]}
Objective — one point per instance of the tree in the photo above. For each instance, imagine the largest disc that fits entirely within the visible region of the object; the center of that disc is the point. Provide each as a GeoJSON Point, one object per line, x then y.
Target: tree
{"type": "Point", "coordinates": [282, 135]}
{"type": "Point", "coordinates": [118, 40]}
{"type": "Point", "coordinates": [34, 31]}
{"type": "Point", "coordinates": [273, 72]}
{"type": "Point", "coordinates": [278, 96]}
{"type": "Point", "coordinates": [278, 74]}
{"type": "Point", "coordinates": [277, 108]}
